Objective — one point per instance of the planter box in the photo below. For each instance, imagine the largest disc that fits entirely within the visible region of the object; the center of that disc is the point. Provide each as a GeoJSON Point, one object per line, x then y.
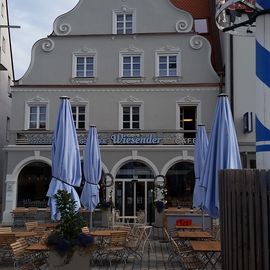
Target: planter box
{"type": "Point", "coordinates": [79, 260]}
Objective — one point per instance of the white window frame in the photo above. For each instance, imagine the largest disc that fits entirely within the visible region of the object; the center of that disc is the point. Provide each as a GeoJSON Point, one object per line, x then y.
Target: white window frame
{"type": "Point", "coordinates": [75, 65]}
{"type": "Point", "coordinates": [80, 102]}
{"type": "Point", "coordinates": [85, 52]}
{"type": "Point", "coordinates": [124, 11]}
{"type": "Point", "coordinates": [121, 64]}
{"type": "Point", "coordinates": [38, 101]}
{"type": "Point", "coordinates": [185, 102]}
{"type": "Point", "coordinates": [131, 101]}
{"type": "Point", "coordinates": [168, 51]}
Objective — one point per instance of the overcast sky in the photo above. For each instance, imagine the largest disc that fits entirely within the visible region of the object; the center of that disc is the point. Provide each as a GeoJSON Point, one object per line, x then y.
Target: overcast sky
{"type": "Point", "coordinates": [36, 19]}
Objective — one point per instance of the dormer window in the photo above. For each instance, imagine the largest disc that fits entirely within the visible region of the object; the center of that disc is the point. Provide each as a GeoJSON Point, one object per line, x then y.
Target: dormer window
{"type": "Point", "coordinates": [124, 21]}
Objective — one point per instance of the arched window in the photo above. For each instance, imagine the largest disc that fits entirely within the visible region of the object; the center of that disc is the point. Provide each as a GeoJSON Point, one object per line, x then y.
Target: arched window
{"type": "Point", "coordinates": [136, 170]}
{"type": "Point", "coordinates": [33, 184]}
{"type": "Point", "coordinates": [180, 181]}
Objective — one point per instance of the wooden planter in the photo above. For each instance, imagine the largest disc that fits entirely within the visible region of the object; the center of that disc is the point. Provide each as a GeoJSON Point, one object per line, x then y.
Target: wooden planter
{"type": "Point", "coordinates": [79, 260]}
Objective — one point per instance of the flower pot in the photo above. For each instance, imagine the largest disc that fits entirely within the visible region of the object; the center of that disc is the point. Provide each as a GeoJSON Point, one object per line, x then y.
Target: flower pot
{"type": "Point", "coordinates": [80, 259]}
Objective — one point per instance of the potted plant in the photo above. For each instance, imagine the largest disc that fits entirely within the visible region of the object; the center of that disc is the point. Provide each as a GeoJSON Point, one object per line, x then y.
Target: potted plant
{"type": "Point", "coordinates": [69, 247]}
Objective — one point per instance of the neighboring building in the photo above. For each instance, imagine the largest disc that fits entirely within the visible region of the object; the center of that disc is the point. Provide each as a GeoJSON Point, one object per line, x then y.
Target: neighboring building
{"type": "Point", "coordinates": [6, 78]}
{"type": "Point", "coordinates": [139, 72]}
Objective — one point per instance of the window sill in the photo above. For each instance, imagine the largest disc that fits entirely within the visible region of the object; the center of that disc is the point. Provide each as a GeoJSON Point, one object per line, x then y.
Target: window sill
{"type": "Point", "coordinates": [83, 80]}
{"type": "Point", "coordinates": [168, 79]}
{"type": "Point", "coordinates": [131, 79]}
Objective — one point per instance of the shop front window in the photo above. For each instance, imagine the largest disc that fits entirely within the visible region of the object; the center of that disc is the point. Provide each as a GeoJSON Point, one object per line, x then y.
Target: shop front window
{"type": "Point", "coordinates": [180, 182]}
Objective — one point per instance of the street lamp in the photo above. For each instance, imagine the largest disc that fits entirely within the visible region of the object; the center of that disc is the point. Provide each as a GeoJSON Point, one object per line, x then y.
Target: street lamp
{"type": "Point", "coordinates": [238, 17]}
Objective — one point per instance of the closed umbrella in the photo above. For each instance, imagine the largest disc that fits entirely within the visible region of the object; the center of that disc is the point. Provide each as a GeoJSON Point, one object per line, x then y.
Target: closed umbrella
{"type": "Point", "coordinates": [92, 169]}
{"type": "Point", "coordinates": [201, 147]}
{"type": "Point", "coordinates": [66, 166]}
{"type": "Point", "coordinates": [223, 153]}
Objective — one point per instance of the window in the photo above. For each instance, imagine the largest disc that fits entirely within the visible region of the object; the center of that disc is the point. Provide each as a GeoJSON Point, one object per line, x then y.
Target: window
{"type": "Point", "coordinates": [37, 116]}
{"type": "Point", "coordinates": [131, 117]}
{"type": "Point", "coordinates": [124, 21]}
{"type": "Point", "coordinates": [201, 26]}
{"type": "Point", "coordinates": [167, 65]}
{"type": "Point", "coordinates": [78, 113]}
{"type": "Point", "coordinates": [131, 66]}
{"type": "Point", "coordinates": [124, 24]}
{"type": "Point", "coordinates": [188, 119]}
{"type": "Point", "coordinates": [85, 66]}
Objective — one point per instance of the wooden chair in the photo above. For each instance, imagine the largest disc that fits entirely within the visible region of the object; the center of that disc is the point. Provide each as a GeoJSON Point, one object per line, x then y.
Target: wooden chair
{"type": "Point", "coordinates": [188, 259]}
{"type": "Point", "coordinates": [5, 251]}
{"type": "Point", "coordinates": [5, 230]}
{"type": "Point", "coordinates": [31, 225]}
{"type": "Point", "coordinates": [117, 246]}
{"type": "Point", "coordinates": [31, 214]}
{"type": "Point", "coordinates": [22, 259]}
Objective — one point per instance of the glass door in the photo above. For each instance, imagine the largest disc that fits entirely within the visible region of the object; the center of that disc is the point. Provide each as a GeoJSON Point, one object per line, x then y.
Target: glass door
{"type": "Point", "coordinates": [132, 196]}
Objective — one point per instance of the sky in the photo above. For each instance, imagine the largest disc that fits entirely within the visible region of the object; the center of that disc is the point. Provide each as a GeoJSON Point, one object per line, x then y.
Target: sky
{"type": "Point", "coordinates": [35, 17]}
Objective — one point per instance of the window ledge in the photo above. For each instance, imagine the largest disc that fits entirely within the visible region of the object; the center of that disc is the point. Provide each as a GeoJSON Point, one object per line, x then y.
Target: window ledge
{"type": "Point", "coordinates": [168, 79]}
{"type": "Point", "coordinates": [83, 80]}
{"type": "Point", "coordinates": [131, 79]}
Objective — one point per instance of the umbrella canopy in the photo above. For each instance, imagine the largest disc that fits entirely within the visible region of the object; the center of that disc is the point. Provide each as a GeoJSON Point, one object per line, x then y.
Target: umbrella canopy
{"type": "Point", "coordinates": [201, 147]}
{"type": "Point", "coordinates": [92, 169]}
{"type": "Point", "coordinates": [223, 153]}
{"type": "Point", "coordinates": [66, 165]}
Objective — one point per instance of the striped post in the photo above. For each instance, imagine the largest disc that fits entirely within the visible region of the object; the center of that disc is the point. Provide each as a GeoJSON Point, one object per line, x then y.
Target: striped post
{"type": "Point", "coordinates": [263, 87]}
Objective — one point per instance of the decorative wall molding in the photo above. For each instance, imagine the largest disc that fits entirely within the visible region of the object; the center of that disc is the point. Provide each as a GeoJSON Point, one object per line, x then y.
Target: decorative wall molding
{"type": "Point", "coordinates": [85, 50]}
{"type": "Point", "coordinates": [37, 99]}
{"type": "Point", "coordinates": [47, 45]}
{"type": "Point", "coordinates": [82, 81]}
{"type": "Point", "coordinates": [182, 26]}
{"type": "Point", "coordinates": [196, 42]}
{"type": "Point", "coordinates": [63, 29]}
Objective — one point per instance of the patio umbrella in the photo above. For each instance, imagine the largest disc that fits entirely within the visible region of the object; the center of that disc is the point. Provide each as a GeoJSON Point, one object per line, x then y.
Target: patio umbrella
{"type": "Point", "coordinates": [201, 147]}
{"type": "Point", "coordinates": [66, 165]}
{"type": "Point", "coordinates": [223, 153]}
{"type": "Point", "coordinates": [92, 169]}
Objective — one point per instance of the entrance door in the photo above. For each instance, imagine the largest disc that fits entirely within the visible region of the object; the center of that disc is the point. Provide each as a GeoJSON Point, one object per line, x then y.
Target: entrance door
{"type": "Point", "coordinates": [134, 195]}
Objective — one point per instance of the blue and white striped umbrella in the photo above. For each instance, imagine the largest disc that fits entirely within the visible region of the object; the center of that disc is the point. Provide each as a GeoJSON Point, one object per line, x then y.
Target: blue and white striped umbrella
{"type": "Point", "coordinates": [223, 153]}
{"type": "Point", "coordinates": [201, 147]}
{"type": "Point", "coordinates": [66, 165]}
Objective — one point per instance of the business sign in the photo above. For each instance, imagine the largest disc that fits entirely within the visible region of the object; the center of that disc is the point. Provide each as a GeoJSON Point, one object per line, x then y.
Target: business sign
{"type": "Point", "coordinates": [114, 138]}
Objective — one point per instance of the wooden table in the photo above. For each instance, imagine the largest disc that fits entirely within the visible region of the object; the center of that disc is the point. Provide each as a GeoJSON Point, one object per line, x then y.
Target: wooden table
{"type": "Point", "coordinates": [103, 233]}
{"type": "Point", "coordinates": [194, 234]}
{"type": "Point", "coordinates": [25, 234]}
{"type": "Point", "coordinates": [38, 247]}
{"type": "Point", "coordinates": [192, 227]}
{"type": "Point", "coordinates": [211, 249]}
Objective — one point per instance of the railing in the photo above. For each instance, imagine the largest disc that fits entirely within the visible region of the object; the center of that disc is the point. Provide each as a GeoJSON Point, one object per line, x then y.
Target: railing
{"type": "Point", "coordinates": [245, 219]}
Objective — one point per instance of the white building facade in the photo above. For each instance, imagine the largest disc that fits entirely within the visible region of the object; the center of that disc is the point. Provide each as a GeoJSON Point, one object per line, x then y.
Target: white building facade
{"type": "Point", "coordinates": [144, 81]}
{"type": "Point", "coordinates": [6, 79]}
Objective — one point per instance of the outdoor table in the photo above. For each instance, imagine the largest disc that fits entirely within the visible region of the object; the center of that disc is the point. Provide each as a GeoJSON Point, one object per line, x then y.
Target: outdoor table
{"type": "Point", "coordinates": [48, 225]}
{"type": "Point", "coordinates": [211, 250]}
{"type": "Point", "coordinates": [102, 235]}
{"type": "Point", "coordinates": [192, 227]}
{"type": "Point", "coordinates": [24, 234]}
{"type": "Point", "coordinates": [194, 235]}
{"type": "Point", "coordinates": [38, 247]}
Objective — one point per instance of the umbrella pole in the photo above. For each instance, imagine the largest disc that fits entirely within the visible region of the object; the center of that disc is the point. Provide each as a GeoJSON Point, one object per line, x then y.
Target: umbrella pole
{"type": "Point", "coordinates": [203, 221]}
{"type": "Point", "coordinates": [90, 221]}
